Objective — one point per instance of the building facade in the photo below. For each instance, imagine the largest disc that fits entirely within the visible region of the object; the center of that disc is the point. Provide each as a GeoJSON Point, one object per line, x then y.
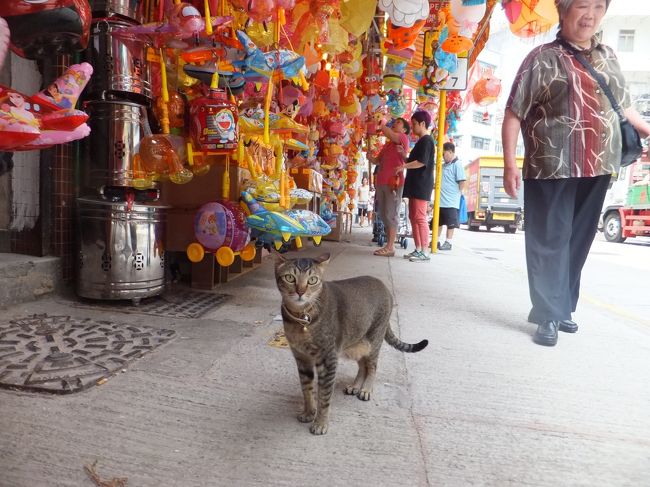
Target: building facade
{"type": "Point", "coordinates": [624, 29]}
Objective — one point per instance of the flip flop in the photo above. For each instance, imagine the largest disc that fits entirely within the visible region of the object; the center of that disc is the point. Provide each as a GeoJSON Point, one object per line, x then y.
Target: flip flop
{"type": "Point", "coordinates": [384, 252]}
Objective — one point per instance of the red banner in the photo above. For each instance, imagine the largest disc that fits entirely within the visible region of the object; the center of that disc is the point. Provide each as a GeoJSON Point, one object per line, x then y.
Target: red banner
{"type": "Point", "coordinates": [435, 6]}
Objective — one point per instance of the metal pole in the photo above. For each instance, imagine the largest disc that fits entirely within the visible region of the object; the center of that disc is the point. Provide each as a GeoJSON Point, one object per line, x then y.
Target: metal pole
{"type": "Point", "coordinates": [442, 108]}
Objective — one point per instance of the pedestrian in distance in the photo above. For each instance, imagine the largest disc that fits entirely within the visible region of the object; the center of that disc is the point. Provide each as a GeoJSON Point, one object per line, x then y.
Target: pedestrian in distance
{"type": "Point", "coordinates": [371, 206]}
{"type": "Point", "coordinates": [451, 188]}
{"type": "Point", "coordinates": [389, 184]}
{"type": "Point", "coordinates": [418, 184]}
{"type": "Point", "coordinates": [572, 141]}
{"type": "Point", "coordinates": [363, 196]}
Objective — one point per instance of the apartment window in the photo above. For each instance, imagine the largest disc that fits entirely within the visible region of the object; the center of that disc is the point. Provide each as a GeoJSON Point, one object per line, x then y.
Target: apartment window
{"type": "Point", "coordinates": [520, 150]}
{"type": "Point", "coordinates": [482, 118]}
{"type": "Point", "coordinates": [480, 143]}
{"type": "Point", "coordinates": [626, 40]}
{"type": "Point", "coordinates": [458, 140]}
{"type": "Point", "coordinates": [498, 147]}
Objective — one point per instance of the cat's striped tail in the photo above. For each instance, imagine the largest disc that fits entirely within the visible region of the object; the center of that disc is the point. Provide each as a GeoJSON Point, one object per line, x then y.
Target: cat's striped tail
{"type": "Point", "coordinates": [398, 344]}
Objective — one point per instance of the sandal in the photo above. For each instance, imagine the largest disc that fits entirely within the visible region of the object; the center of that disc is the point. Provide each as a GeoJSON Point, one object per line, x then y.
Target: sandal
{"type": "Point", "coordinates": [384, 252]}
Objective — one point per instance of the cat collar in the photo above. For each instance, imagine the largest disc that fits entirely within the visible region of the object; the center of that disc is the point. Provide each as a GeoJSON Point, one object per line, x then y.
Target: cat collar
{"type": "Point", "coordinates": [305, 320]}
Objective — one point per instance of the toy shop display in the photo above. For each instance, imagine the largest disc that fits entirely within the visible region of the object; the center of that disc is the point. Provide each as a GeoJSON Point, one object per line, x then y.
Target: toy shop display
{"type": "Point", "coordinates": [277, 97]}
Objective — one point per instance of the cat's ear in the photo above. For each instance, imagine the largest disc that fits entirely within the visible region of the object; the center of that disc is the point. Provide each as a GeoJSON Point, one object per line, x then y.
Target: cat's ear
{"type": "Point", "coordinates": [322, 259]}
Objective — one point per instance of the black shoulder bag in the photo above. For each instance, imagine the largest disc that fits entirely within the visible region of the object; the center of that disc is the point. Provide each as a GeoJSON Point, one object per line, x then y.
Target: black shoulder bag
{"type": "Point", "coordinates": [631, 141]}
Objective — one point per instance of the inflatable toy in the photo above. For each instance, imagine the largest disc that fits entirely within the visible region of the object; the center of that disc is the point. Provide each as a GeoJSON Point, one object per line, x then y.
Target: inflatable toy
{"type": "Point", "coordinates": [42, 28]}
{"type": "Point", "coordinates": [278, 64]}
{"type": "Point", "coordinates": [184, 22]}
{"type": "Point", "coordinates": [400, 37]}
{"type": "Point", "coordinates": [229, 79]}
{"type": "Point", "coordinates": [280, 228]}
{"type": "Point", "coordinates": [486, 90]}
{"type": "Point", "coordinates": [405, 13]}
{"type": "Point", "coordinates": [512, 9]}
{"type": "Point", "coordinates": [535, 18]}
{"type": "Point", "coordinates": [220, 227]}
{"type": "Point", "coordinates": [47, 118]}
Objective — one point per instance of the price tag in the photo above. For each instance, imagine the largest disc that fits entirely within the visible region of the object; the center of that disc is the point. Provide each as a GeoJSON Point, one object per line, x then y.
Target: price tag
{"type": "Point", "coordinates": [458, 79]}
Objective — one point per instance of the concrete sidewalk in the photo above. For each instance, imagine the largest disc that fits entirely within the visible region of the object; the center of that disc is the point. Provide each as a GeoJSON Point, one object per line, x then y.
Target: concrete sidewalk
{"type": "Point", "coordinates": [482, 405]}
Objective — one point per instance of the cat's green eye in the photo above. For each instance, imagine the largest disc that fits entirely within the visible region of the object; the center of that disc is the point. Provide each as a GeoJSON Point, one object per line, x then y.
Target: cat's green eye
{"type": "Point", "coordinates": [313, 280]}
{"type": "Point", "coordinates": [289, 278]}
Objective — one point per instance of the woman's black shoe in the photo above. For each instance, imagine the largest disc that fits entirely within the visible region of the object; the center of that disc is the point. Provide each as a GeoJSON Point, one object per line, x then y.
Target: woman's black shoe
{"type": "Point", "coordinates": [546, 333]}
{"type": "Point", "coordinates": [568, 326]}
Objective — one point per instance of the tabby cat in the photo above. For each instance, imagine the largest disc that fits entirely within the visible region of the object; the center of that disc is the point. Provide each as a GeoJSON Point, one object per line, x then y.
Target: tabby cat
{"type": "Point", "coordinates": [323, 320]}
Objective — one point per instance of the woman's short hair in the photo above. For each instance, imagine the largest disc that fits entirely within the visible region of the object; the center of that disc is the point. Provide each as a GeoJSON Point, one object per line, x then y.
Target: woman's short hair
{"type": "Point", "coordinates": [422, 116]}
{"type": "Point", "coordinates": [564, 5]}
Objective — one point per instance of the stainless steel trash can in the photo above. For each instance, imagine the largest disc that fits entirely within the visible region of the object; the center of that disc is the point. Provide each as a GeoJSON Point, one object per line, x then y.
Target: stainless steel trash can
{"type": "Point", "coordinates": [117, 128]}
{"type": "Point", "coordinates": [120, 249]}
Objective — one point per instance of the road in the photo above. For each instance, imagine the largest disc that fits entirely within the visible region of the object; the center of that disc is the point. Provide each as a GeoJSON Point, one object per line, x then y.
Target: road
{"type": "Point", "coordinates": [614, 279]}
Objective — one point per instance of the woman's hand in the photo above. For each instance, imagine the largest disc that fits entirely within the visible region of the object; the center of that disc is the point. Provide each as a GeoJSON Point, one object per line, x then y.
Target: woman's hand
{"type": "Point", "coordinates": [399, 169]}
{"type": "Point", "coordinates": [511, 180]}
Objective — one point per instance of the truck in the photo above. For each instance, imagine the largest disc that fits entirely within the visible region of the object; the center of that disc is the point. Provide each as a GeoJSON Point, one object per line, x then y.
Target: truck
{"type": "Point", "coordinates": [626, 210]}
{"type": "Point", "coordinates": [487, 202]}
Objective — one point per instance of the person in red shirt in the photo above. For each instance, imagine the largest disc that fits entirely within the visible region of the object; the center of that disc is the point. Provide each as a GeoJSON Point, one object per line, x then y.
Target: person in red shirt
{"type": "Point", "coordinates": [389, 182]}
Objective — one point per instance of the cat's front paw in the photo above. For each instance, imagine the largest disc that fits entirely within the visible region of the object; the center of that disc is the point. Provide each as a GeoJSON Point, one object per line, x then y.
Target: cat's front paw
{"type": "Point", "coordinates": [306, 416]}
{"type": "Point", "coordinates": [351, 390]}
{"type": "Point", "coordinates": [364, 395]}
{"type": "Point", "coordinates": [318, 428]}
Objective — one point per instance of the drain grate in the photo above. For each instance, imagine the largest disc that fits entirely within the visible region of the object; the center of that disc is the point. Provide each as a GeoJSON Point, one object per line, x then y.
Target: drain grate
{"type": "Point", "coordinates": [60, 354]}
{"type": "Point", "coordinates": [178, 305]}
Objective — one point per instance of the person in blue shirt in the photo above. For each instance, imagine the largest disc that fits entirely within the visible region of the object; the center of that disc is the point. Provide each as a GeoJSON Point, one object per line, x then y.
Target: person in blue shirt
{"type": "Point", "coordinates": [453, 184]}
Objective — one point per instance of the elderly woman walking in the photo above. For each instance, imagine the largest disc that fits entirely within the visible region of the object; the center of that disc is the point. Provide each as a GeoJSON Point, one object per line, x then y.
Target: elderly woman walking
{"type": "Point", "coordinates": [572, 142]}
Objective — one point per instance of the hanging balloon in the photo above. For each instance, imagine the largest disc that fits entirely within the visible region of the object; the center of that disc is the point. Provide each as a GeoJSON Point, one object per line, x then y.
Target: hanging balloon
{"type": "Point", "coordinates": [486, 90]}
{"type": "Point", "coordinates": [532, 22]}
{"type": "Point", "coordinates": [512, 9]}
{"type": "Point", "coordinates": [405, 13]}
{"type": "Point", "coordinates": [468, 12]}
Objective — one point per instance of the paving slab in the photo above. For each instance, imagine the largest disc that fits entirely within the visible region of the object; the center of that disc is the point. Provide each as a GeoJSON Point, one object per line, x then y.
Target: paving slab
{"type": "Point", "coordinates": [482, 405]}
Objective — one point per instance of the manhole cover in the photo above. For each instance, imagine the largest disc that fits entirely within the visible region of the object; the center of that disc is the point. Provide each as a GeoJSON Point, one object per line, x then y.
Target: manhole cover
{"type": "Point", "coordinates": [61, 354]}
{"type": "Point", "coordinates": [177, 305]}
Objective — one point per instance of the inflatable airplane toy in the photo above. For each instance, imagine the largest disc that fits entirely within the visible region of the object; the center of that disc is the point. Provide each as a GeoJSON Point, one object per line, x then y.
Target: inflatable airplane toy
{"type": "Point", "coordinates": [279, 228]}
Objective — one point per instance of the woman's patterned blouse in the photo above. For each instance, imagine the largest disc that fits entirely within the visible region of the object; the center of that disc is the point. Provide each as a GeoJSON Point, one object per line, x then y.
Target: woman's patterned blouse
{"type": "Point", "coordinates": [568, 124]}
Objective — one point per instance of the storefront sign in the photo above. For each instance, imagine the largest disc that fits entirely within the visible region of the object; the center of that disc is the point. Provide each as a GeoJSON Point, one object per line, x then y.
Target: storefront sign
{"type": "Point", "coordinates": [435, 6]}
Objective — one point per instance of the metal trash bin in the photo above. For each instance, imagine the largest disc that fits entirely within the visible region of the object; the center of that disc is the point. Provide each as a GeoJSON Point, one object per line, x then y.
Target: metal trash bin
{"type": "Point", "coordinates": [117, 128]}
{"type": "Point", "coordinates": [120, 249]}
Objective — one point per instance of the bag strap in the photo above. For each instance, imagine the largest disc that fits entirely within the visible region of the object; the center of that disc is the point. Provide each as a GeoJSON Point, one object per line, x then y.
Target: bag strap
{"type": "Point", "coordinates": [598, 77]}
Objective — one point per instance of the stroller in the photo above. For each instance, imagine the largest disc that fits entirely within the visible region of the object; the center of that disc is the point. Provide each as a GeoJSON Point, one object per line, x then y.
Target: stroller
{"type": "Point", "coordinates": [403, 225]}
{"type": "Point", "coordinates": [378, 231]}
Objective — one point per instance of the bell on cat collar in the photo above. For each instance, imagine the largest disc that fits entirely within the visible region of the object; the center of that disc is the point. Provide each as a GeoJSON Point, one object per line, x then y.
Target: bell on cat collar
{"type": "Point", "coordinates": [304, 320]}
